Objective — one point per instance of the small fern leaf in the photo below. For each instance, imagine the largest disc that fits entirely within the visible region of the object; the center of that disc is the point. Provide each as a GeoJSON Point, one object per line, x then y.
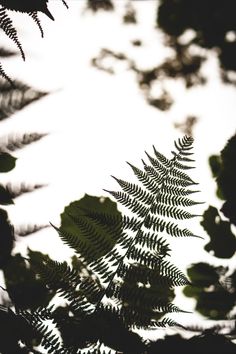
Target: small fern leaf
{"type": "Point", "coordinates": [182, 166]}
{"type": "Point", "coordinates": [135, 206]}
{"type": "Point", "coordinates": [169, 270]}
{"type": "Point", "coordinates": [171, 211]}
{"type": "Point", "coordinates": [153, 242]}
{"type": "Point", "coordinates": [166, 322]}
{"type": "Point", "coordinates": [177, 182]}
{"type": "Point", "coordinates": [7, 27]}
{"type": "Point", "coordinates": [149, 183]}
{"type": "Point", "coordinates": [169, 199]}
{"type": "Point", "coordinates": [163, 160]}
{"type": "Point", "coordinates": [175, 172]}
{"type": "Point", "coordinates": [176, 190]}
{"type": "Point", "coordinates": [5, 76]}
{"type": "Point", "coordinates": [135, 191]}
{"type": "Point", "coordinates": [34, 16]}
{"type": "Point", "coordinates": [153, 174]}
{"type": "Point", "coordinates": [65, 4]}
{"type": "Point", "coordinates": [157, 165]}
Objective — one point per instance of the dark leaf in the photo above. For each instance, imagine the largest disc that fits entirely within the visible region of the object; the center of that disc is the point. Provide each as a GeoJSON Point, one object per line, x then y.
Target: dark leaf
{"type": "Point", "coordinates": [6, 238]}
{"type": "Point", "coordinates": [5, 196]}
{"type": "Point", "coordinates": [7, 162]}
{"type": "Point", "coordinates": [222, 240]}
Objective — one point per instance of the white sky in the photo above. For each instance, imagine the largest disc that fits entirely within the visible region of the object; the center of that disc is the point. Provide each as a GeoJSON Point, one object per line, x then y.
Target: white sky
{"type": "Point", "coordinates": [96, 121]}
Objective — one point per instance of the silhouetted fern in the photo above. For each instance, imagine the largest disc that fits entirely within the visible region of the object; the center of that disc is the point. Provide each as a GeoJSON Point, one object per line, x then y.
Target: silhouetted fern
{"type": "Point", "coordinates": [24, 6]}
{"type": "Point", "coordinates": [125, 272]}
{"type": "Point", "coordinates": [14, 98]}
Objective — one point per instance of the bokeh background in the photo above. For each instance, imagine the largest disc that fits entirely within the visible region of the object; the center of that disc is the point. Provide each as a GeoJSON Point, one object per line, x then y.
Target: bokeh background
{"type": "Point", "coordinates": [118, 77]}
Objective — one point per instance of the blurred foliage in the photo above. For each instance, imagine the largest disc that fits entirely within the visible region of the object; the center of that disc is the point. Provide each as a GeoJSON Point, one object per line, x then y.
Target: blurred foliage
{"type": "Point", "coordinates": [226, 179]}
{"type": "Point", "coordinates": [222, 240]}
{"type": "Point", "coordinates": [206, 343]}
{"type": "Point", "coordinates": [212, 23]}
{"type": "Point", "coordinates": [187, 126]}
{"type": "Point", "coordinates": [96, 5]}
{"type": "Point", "coordinates": [214, 288]}
{"type": "Point", "coordinates": [7, 26]}
{"type": "Point", "coordinates": [7, 162]}
{"type": "Point", "coordinates": [129, 16]}
{"type": "Point", "coordinates": [25, 290]}
{"type": "Point", "coordinates": [15, 97]}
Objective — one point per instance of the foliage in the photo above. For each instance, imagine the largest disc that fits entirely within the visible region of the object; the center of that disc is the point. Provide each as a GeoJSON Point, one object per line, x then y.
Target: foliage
{"type": "Point", "coordinates": [121, 278]}
{"type": "Point", "coordinates": [96, 5]}
{"type": "Point", "coordinates": [6, 24]}
{"type": "Point", "coordinates": [214, 288]}
{"type": "Point", "coordinates": [212, 24]}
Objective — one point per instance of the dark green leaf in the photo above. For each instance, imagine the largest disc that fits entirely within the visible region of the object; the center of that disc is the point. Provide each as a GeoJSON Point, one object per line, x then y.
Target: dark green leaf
{"type": "Point", "coordinates": [79, 221]}
{"type": "Point", "coordinates": [7, 162]}
{"type": "Point", "coordinates": [5, 196]}
{"type": "Point", "coordinates": [222, 240]}
{"type": "Point", "coordinates": [6, 238]}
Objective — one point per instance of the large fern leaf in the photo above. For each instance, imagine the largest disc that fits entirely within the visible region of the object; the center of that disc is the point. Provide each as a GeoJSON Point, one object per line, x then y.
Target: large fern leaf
{"type": "Point", "coordinates": [125, 270]}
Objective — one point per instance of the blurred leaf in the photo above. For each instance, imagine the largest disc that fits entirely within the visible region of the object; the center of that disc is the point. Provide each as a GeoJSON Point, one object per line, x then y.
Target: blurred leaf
{"type": "Point", "coordinates": [210, 22]}
{"type": "Point", "coordinates": [5, 196]}
{"type": "Point", "coordinates": [222, 240]}
{"type": "Point", "coordinates": [15, 97]}
{"type": "Point", "coordinates": [6, 238]}
{"type": "Point", "coordinates": [87, 207]}
{"type": "Point", "coordinates": [96, 5]}
{"type": "Point", "coordinates": [14, 328]}
{"type": "Point", "coordinates": [15, 142]}
{"type": "Point", "coordinates": [18, 190]}
{"type": "Point", "coordinates": [7, 162]}
{"type": "Point", "coordinates": [213, 298]}
{"type": "Point", "coordinates": [203, 274]}
{"type": "Point", "coordinates": [24, 288]}
{"type": "Point", "coordinates": [215, 164]}
{"type": "Point", "coordinates": [226, 179]}
{"type": "Point", "coordinates": [26, 230]}
{"type": "Point", "coordinates": [215, 304]}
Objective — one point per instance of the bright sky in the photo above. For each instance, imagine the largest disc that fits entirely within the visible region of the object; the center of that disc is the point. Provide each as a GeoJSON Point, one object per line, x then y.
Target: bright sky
{"type": "Point", "coordinates": [96, 121]}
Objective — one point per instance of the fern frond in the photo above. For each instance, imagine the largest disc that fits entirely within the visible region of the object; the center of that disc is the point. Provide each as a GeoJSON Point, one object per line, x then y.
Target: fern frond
{"type": "Point", "coordinates": [135, 191]}
{"type": "Point", "coordinates": [74, 242]}
{"type": "Point", "coordinates": [18, 190]}
{"type": "Point", "coordinates": [161, 158]}
{"type": "Point", "coordinates": [143, 257]}
{"type": "Point", "coordinates": [128, 274]}
{"type": "Point", "coordinates": [179, 191]}
{"type": "Point", "coordinates": [65, 4]}
{"type": "Point", "coordinates": [169, 270]}
{"type": "Point", "coordinates": [161, 169]}
{"type": "Point", "coordinates": [15, 142]}
{"type": "Point", "coordinates": [169, 199]}
{"type": "Point", "coordinates": [97, 237]}
{"type": "Point", "coordinates": [15, 97]}
{"type": "Point", "coordinates": [114, 222]}
{"type": "Point", "coordinates": [4, 75]}
{"type": "Point", "coordinates": [171, 211]}
{"type": "Point", "coordinates": [166, 322]}
{"type": "Point", "coordinates": [34, 16]}
{"type": "Point", "coordinates": [153, 242]}
{"type": "Point", "coordinates": [26, 230]}
{"type": "Point", "coordinates": [149, 183]}
{"type": "Point", "coordinates": [146, 275]}
{"type": "Point", "coordinates": [134, 205]}
{"type": "Point", "coordinates": [7, 27]}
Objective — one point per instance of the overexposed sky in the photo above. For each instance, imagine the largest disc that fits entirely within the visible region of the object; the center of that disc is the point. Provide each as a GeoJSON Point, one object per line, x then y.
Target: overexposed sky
{"type": "Point", "coordinates": [97, 121]}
